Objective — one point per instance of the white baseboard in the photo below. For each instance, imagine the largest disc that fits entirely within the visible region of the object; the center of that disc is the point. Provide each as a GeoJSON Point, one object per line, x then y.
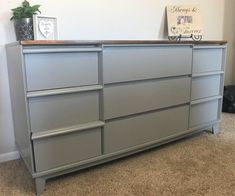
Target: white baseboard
{"type": "Point", "coordinates": [9, 156]}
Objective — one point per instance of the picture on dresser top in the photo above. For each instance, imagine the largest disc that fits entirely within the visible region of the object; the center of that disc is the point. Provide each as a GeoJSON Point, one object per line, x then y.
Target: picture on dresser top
{"type": "Point", "coordinates": [45, 27]}
{"type": "Point", "coordinates": [184, 20]}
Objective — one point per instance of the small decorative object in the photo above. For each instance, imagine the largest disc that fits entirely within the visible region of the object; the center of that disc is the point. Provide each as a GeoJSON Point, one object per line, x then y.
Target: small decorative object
{"type": "Point", "coordinates": [45, 27]}
{"type": "Point", "coordinates": [184, 22]}
{"type": "Point", "coordinates": [23, 20]}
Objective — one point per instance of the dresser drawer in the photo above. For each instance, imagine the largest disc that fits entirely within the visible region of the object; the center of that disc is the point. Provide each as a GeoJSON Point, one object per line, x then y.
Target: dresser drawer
{"type": "Point", "coordinates": [60, 111]}
{"type": "Point", "coordinates": [57, 151]}
{"type": "Point", "coordinates": [129, 132]}
{"type": "Point", "coordinates": [204, 113]}
{"type": "Point", "coordinates": [206, 60]}
{"type": "Point", "coordinates": [205, 86]}
{"type": "Point", "coordinates": [59, 70]}
{"type": "Point", "coordinates": [123, 63]}
{"type": "Point", "coordinates": [130, 98]}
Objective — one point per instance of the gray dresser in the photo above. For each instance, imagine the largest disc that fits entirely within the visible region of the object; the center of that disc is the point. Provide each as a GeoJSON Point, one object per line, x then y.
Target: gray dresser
{"type": "Point", "coordinates": [76, 104]}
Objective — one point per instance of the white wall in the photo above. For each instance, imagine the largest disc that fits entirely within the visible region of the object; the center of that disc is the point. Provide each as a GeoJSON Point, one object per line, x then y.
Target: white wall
{"type": "Point", "coordinates": [229, 35]}
{"type": "Point", "coordinates": [6, 127]}
{"type": "Point", "coordinates": [126, 19]}
{"type": "Point", "coordinates": [98, 19]}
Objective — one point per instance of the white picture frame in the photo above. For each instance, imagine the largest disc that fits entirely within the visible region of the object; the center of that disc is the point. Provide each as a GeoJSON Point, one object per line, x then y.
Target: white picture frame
{"type": "Point", "coordinates": [184, 20]}
{"type": "Point", "coordinates": [45, 27]}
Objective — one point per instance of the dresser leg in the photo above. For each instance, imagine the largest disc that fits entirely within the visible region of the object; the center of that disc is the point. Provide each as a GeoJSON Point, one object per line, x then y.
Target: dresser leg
{"type": "Point", "coordinates": [40, 185]}
{"type": "Point", "coordinates": [216, 128]}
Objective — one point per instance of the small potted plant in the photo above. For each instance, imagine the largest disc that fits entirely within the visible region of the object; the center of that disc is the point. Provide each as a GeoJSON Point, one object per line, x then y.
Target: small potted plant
{"type": "Point", "coordinates": [23, 20]}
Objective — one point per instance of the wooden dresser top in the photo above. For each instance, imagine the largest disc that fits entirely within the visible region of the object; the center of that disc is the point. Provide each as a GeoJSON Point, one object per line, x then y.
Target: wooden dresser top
{"type": "Point", "coordinates": [98, 42]}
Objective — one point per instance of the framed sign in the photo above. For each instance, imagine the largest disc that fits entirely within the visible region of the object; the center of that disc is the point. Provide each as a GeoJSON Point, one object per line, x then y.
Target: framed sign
{"type": "Point", "coordinates": [184, 20]}
{"type": "Point", "coordinates": [45, 27]}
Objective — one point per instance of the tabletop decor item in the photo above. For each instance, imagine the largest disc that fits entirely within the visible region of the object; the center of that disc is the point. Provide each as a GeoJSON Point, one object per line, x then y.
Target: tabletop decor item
{"type": "Point", "coordinates": [45, 27]}
{"type": "Point", "coordinates": [184, 21]}
{"type": "Point", "coordinates": [23, 20]}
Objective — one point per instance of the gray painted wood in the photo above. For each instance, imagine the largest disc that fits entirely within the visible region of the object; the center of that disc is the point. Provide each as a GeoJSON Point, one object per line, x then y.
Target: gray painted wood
{"type": "Point", "coordinates": [208, 73]}
{"type": "Point", "coordinates": [137, 63]}
{"type": "Point", "coordinates": [67, 102]}
{"type": "Point", "coordinates": [62, 91]}
{"type": "Point", "coordinates": [59, 70]}
{"type": "Point", "coordinates": [59, 50]}
{"type": "Point", "coordinates": [61, 150]}
{"type": "Point", "coordinates": [126, 133]}
{"type": "Point", "coordinates": [206, 60]}
{"type": "Point", "coordinates": [40, 185]}
{"type": "Point", "coordinates": [115, 155]}
{"type": "Point", "coordinates": [224, 55]}
{"type": "Point", "coordinates": [208, 99]}
{"type": "Point", "coordinates": [67, 130]}
{"type": "Point", "coordinates": [60, 111]}
{"type": "Point", "coordinates": [131, 98]}
{"type": "Point", "coordinates": [206, 86]}
{"type": "Point", "coordinates": [18, 104]}
{"type": "Point", "coordinates": [203, 113]}
{"type": "Point", "coordinates": [216, 128]}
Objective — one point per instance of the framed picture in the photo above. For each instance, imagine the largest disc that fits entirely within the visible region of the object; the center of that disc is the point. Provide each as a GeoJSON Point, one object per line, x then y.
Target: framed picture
{"type": "Point", "coordinates": [184, 20]}
{"type": "Point", "coordinates": [45, 27]}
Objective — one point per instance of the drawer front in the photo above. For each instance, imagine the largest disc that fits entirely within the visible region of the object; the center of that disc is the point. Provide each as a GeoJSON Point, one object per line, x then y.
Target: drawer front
{"type": "Point", "coordinates": [57, 151]}
{"type": "Point", "coordinates": [129, 132]}
{"type": "Point", "coordinates": [59, 70]}
{"type": "Point", "coordinates": [205, 86]}
{"type": "Point", "coordinates": [60, 111]}
{"type": "Point", "coordinates": [136, 63]}
{"type": "Point", "coordinates": [204, 112]}
{"type": "Point", "coordinates": [126, 99]}
{"type": "Point", "coordinates": [206, 60]}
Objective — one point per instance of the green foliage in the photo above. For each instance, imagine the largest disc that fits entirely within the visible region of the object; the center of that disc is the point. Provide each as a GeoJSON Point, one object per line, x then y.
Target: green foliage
{"type": "Point", "coordinates": [25, 11]}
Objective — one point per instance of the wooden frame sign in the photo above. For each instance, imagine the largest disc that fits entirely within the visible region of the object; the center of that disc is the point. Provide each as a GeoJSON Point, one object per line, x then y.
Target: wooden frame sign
{"type": "Point", "coordinates": [184, 20]}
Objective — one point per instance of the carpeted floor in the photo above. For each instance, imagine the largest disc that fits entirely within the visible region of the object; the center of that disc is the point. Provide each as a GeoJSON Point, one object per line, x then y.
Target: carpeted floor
{"type": "Point", "coordinates": [200, 165]}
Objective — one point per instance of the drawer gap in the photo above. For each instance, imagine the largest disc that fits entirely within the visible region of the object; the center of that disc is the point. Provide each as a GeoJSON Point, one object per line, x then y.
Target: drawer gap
{"type": "Point", "coordinates": [63, 91]}
{"type": "Point", "coordinates": [146, 112]}
{"type": "Point", "coordinates": [56, 132]}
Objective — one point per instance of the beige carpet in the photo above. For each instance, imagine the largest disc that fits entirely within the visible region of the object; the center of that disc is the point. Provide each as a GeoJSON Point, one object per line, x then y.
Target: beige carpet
{"type": "Point", "coordinates": [200, 165]}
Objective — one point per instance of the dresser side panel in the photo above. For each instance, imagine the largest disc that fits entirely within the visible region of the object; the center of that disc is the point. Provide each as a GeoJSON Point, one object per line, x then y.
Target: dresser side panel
{"type": "Point", "coordinates": [19, 103]}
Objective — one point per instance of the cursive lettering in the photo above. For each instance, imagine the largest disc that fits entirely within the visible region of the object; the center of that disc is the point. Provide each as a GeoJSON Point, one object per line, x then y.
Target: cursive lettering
{"type": "Point", "coordinates": [179, 9]}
